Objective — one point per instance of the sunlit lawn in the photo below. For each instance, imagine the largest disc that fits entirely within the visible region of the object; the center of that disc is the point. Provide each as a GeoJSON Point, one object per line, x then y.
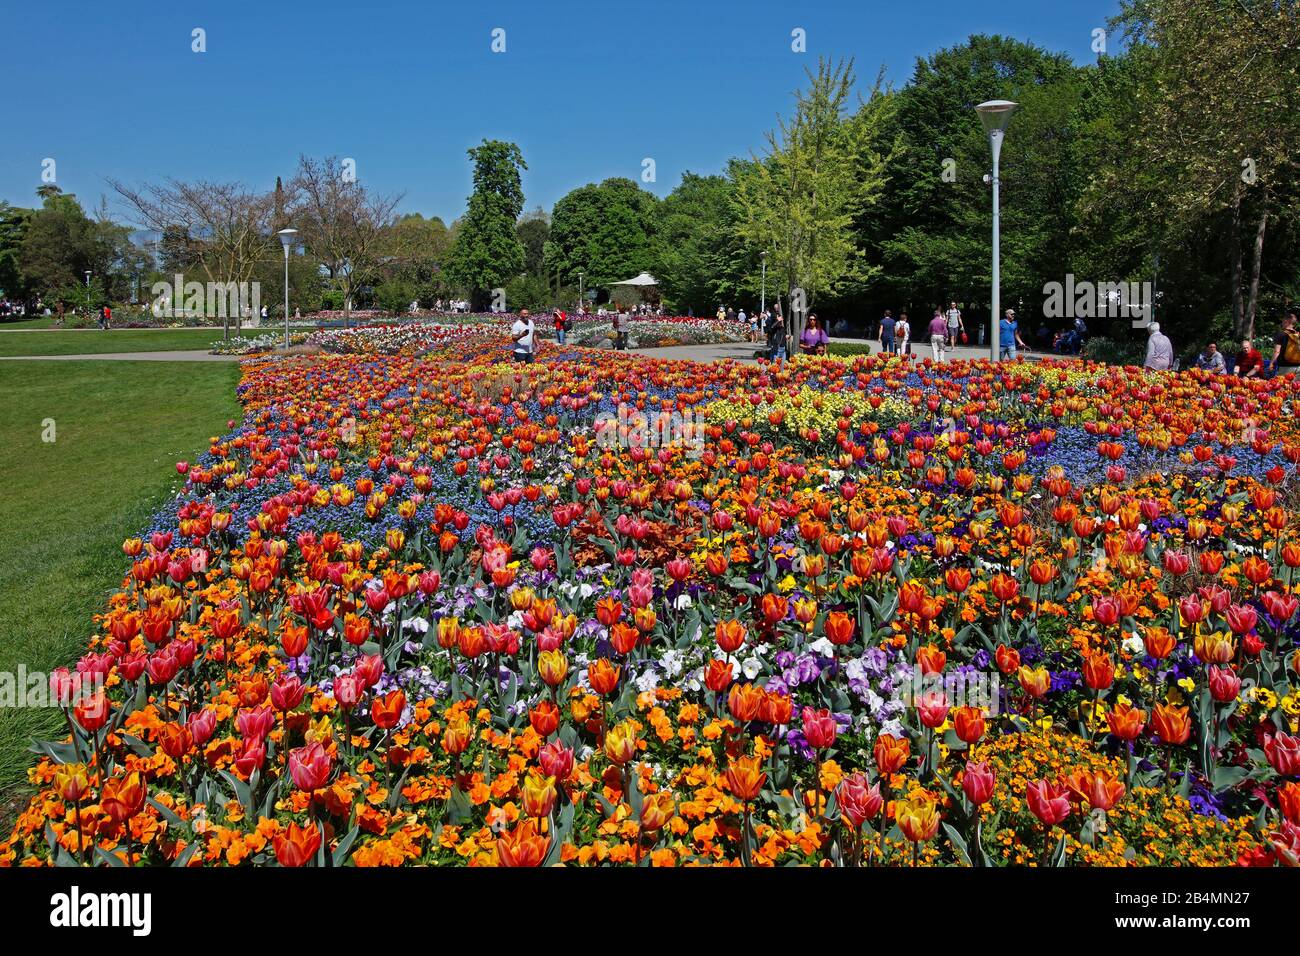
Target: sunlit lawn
{"type": "Point", "coordinates": [66, 506]}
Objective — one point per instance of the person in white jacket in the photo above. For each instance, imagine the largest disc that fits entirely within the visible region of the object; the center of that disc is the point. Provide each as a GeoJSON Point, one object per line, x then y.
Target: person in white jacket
{"type": "Point", "coordinates": [1160, 351]}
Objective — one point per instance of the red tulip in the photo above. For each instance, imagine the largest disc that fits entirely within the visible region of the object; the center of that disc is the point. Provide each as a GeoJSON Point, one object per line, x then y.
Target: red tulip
{"type": "Point", "coordinates": [1049, 802]}
{"type": "Point", "coordinates": [309, 767]}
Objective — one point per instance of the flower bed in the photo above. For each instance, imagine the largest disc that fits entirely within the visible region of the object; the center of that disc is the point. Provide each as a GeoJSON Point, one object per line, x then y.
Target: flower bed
{"type": "Point", "coordinates": [439, 609]}
{"type": "Point", "coordinates": [649, 332]}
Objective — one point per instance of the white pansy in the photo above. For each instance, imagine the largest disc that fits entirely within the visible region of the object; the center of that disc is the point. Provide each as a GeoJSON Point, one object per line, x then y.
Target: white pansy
{"type": "Point", "coordinates": [822, 647]}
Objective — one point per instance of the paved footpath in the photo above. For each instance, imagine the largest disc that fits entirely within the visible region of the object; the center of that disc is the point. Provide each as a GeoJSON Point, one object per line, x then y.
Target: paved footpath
{"type": "Point", "coordinates": [184, 355]}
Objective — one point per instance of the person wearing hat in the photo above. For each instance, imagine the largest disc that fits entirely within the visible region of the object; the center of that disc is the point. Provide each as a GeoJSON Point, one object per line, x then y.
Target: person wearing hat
{"type": "Point", "coordinates": [1009, 337]}
{"type": "Point", "coordinates": [1160, 351]}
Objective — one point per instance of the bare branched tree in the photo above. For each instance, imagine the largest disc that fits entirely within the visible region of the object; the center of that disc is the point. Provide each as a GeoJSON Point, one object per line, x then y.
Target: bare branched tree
{"type": "Point", "coordinates": [340, 222]}
{"type": "Point", "coordinates": [227, 224]}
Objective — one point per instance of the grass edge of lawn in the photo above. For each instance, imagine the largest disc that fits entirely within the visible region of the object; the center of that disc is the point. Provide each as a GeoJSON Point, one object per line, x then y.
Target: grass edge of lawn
{"type": "Point", "coordinates": [92, 564]}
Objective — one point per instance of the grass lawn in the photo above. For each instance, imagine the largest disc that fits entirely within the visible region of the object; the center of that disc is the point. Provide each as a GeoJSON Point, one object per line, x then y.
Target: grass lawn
{"type": "Point", "coordinates": [114, 340]}
{"type": "Point", "coordinates": [66, 506]}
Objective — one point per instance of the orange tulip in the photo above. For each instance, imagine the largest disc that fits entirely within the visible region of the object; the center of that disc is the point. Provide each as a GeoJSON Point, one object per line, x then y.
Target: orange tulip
{"type": "Point", "coordinates": [1126, 721]}
{"type": "Point", "coordinates": [891, 753]}
{"type": "Point", "coordinates": [745, 778]}
{"type": "Point", "coordinates": [1172, 724]}
{"type": "Point", "coordinates": [296, 846]}
{"type": "Point", "coordinates": [123, 797]}
{"type": "Point", "coordinates": [603, 676]}
{"type": "Point", "coordinates": [523, 846]}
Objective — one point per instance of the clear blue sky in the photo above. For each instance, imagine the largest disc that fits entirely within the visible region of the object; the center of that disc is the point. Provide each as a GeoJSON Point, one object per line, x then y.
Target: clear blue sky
{"type": "Point", "coordinates": [588, 89]}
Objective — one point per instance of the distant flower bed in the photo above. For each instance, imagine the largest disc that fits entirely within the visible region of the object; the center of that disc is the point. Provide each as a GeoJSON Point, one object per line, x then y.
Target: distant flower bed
{"type": "Point", "coordinates": [249, 345]}
{"type": "Point", "coordinates": [650, 332]}
{"type": "Point", "coordinates": [410, 338]}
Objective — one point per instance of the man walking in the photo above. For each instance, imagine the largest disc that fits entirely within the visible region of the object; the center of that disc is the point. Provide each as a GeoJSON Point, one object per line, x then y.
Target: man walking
{"type": "Point", "coordinates": [955, 325]}
{"type": "Point", "coordinates": [938, 336]}
{"type": "Point", "coordinates": [1009, 337]}
{"type": "Point", "coordinates": [523, 333]}
{"type": "Point", "coordinates": [886, 332]}
{"type": "Point", "coordinates": [1160, 351]}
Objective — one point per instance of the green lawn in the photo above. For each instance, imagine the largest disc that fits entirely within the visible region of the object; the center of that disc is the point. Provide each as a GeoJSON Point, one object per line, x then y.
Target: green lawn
{"type": "Point", "coordinates": [66, 506]}
{"type": "Point", "coordinates": [115, 340]}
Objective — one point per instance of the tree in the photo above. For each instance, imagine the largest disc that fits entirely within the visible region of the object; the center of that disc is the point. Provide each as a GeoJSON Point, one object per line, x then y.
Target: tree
{"type": "Point", "coordinates": [413, 256]}
{"type": "Point", "coordinates": [1223, 115]}
{"type": "Point", "coordinates": [696, 248]}
{"type": "Point", "coordinates": [930, 228]}
{"type": "Point", "coordinates": [800, 199]}
{"type": "Point", "coordinates": [488, 253]}
{"type": "Point", "coordinates": [13, 229]}
{"type": "Point", "coordinates": [534, 230]}
{"type": "Point", "coordinates": [60, 244]}
{"type": "Point", "coordinates": [228, 225]}
{"type": "Point", "coordinates": [341, 223]}
{"type": "Point", "coordinates": [603, 230]}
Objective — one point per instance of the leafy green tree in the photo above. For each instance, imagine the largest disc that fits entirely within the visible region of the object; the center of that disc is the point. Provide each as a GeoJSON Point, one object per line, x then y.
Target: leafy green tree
{"type": "Point", "coordinates": [488, 253]}
{"type": "Point", "coordinates": [696, 246]}
{"type": "Point", "coordinates": [534, 230]}
{"type": "Point", "coordinates": [1222, 117]}
{"type": "Point", "coordinates": [603, 230]}
{"type": "Point", "coordinates": [931, 228]}
{"type": "Point", "coordinates": [60, 245]}
{"type": "Point", "coordinates": [799, 201]}
{"type": "Point", "coordinates": [13, 229]}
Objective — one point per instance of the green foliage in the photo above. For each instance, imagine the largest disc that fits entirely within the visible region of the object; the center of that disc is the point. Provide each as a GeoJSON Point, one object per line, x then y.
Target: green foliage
{"type": "Point", "coordinates": [800, 199]}
{"type": "Point", "coordinates": [487, 252]}
{"type": "Point", "coordinates": [604, 231]}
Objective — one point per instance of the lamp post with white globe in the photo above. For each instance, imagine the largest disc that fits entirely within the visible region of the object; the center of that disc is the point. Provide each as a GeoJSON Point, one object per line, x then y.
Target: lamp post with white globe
{"type": "Point", "coordinates": [995, 115]}
{"type": "Point", "coordinates": [286, 240]}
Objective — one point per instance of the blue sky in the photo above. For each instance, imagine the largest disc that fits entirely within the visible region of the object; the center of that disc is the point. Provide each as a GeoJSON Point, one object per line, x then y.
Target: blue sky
{"type": "Point", "coordinates": [587, 89]}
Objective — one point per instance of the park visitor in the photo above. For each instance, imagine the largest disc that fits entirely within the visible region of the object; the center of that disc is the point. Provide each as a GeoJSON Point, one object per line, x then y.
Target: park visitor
{"type": "Point", "coordinates": [1249, 363]}
{"type": "Point", "coordinates": [562, 324]}
{"type": "Point", "coordinates": [775, 329]}
{"type": "Point", "coordinates": [522, 332]}
{"type": "Point", "coordinates": [938, 335]}
{"type": "Point", "coordinates": [1009, 337]}
{"type": "Point", "coordinates": [1286, 347]}
{"type": "Point", "coordinates": [903, 335]}
{"type": "Point", "coordinates": [1211, 360]}
{"type": "Point", "coordinates": [955, 326]}
{"type": "Point", "coordinates": [886, 332]}
{"type": "Point", "coordinates": [1160, 351]}
{"type": "Point", "coordinates": [814, 339]}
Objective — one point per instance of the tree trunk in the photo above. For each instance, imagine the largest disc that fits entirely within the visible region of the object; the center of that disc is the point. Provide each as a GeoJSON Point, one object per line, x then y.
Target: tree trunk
{"type": "Point", "coordinates": [1235, 253]}
{"type": "Point", "coordinates": [1257, 258]}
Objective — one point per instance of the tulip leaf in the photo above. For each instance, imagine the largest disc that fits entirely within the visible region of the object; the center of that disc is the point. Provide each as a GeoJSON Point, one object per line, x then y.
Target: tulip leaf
{"type": "Point", "coordinates": [62, 753]}
{"type": "Point", "coordinates": [183, 858]}
{"type": "Point", "coordinates": [243, 793]}
{"type": "Point", "coordinates": [1225, 778]}
{"type": "Point", "coordinates": [1058, 855]}
{"type": "Point", "coordinates": [459, 810]}
{"type": "Point", "coordinates": [112, 859]}
{"type": "Point", "coordinates": [958, 844]}
{"type": "Point", "coordinates": [136, 744]}
{"type": "Point", "coordinates": [341, 851]}
{"type": "Point", "coordinates": [168, 814]}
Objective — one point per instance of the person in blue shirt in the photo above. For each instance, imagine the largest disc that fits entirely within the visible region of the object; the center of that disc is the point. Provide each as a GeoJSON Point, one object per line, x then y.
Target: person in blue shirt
{"type": "Point", "coordinates": [1009, 337]}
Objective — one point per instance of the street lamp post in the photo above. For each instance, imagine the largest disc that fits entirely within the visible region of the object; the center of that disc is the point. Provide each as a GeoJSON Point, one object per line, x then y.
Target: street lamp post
{"type": "Point", "coordinates": [580, 300]}
{"type": "Point", "coordinates": [995, 115]}
{"type": "Point", "coordinates": [87, 292]}
{"type": "Point", "coordinates": [762, 304]}
{"type": "Point", "coordinates": [286, 240]}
